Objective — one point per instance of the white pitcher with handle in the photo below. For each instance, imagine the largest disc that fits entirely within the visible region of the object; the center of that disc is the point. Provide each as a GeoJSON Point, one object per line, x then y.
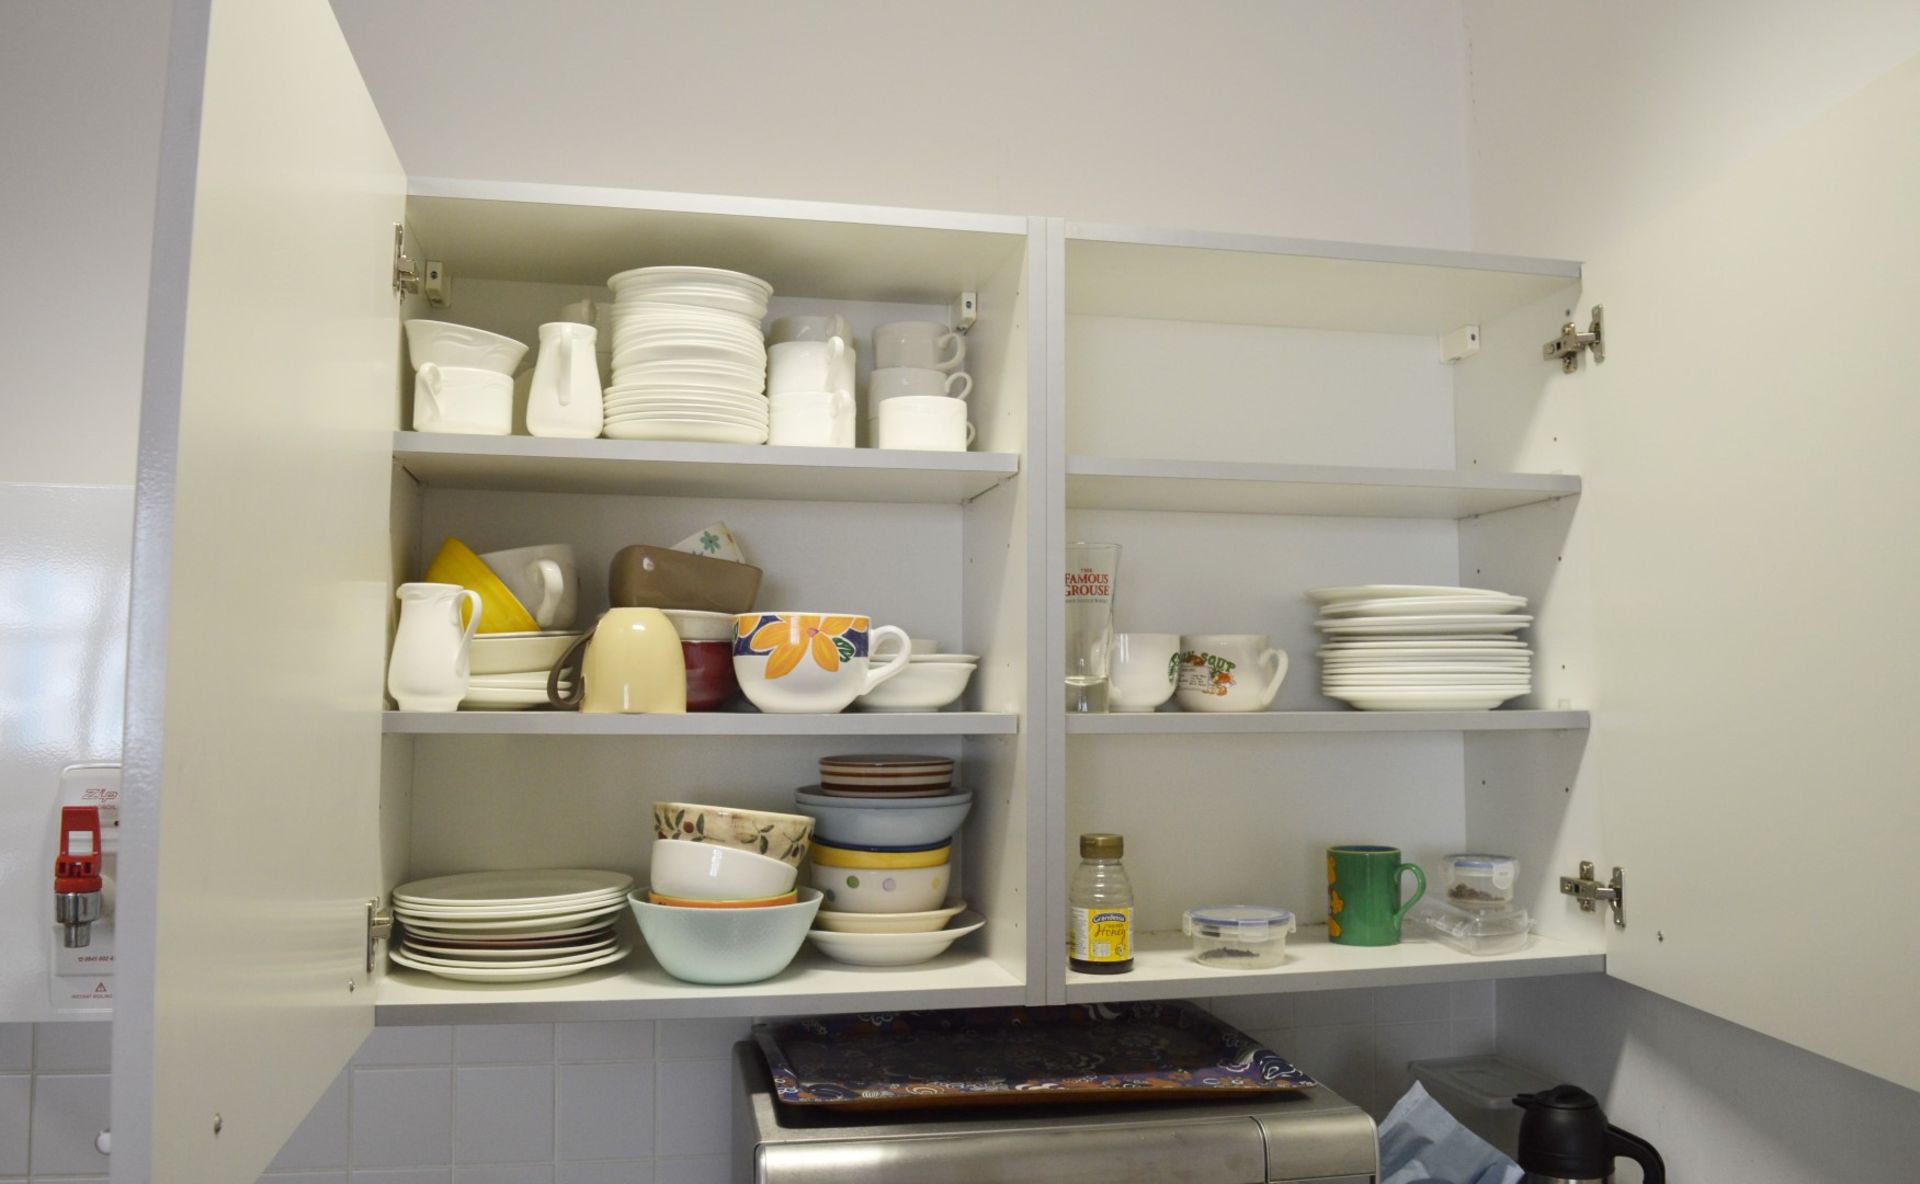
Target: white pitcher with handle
{"type": "Point", "coordinates": [428, 670]}
{"type": "Point", "coordinates": [565, 397]}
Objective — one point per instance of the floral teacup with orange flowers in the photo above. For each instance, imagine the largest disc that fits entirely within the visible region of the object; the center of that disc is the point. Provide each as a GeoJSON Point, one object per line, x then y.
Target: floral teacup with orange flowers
{"type": "Point", "coordinates": [799, 663]}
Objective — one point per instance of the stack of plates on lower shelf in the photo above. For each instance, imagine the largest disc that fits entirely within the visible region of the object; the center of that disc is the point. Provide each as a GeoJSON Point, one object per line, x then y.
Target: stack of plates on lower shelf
{"type": "Point", "coordinates": [688, 357]}
{"type": "Point", "coordinates": [1415, 647]}
{"type": "Point", "coordinates": [884, 776]}
{"type": "Point", "coordinates": [514, 927]}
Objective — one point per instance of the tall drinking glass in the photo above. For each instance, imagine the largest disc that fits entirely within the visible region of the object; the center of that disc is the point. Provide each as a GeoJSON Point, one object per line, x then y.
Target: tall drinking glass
{"type": "Point", "coordinates": [1091, 570]}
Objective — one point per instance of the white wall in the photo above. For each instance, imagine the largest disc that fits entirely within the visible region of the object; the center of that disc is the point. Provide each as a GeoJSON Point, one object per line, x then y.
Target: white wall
{"type": "Point", "coordinates": [1288, 116]}
{"type": "Point", "coordinates": [1590, 114]}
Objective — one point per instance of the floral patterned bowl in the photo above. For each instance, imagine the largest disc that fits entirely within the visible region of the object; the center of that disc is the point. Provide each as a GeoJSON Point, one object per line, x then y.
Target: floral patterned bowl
{"type": "Point", "coordinates": [785, 837]}
{"type": "Point", "coordinates": [810, 663]}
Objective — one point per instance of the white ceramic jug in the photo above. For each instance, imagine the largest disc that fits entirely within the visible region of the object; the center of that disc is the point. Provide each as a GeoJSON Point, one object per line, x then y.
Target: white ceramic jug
{"type": "Point", "coordinates": [428, 671]}
{"type": "Point", "coordinates": [565, 397]}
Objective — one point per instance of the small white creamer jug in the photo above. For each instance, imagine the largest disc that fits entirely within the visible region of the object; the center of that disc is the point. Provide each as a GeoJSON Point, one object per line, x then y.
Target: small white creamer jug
{"type": "Point", "coordinates": [428, 671]}
{"type": "Point", "coordinates": [565, 397]}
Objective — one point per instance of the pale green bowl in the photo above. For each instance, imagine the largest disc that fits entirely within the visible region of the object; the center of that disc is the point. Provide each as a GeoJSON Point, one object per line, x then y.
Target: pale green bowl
{"type": "Point", "coordinates": [721, 947]}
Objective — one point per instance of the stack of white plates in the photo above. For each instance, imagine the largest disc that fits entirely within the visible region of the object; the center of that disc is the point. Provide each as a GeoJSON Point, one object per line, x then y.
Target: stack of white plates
{"type": "Point", "coordinates": [1415, 647]}
{"type": "Point", "coordinates": [511, 927]}
{"type": "Point", "coordinates": [688, 359]}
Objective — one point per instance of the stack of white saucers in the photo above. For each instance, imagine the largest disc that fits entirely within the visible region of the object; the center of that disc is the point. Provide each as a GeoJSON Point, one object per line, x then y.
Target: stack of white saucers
{"type": "Point", "coordinates": [511, 927]}
{"type": "Point", "coordinates": [1415, 647]}
{"type": "Point", "coordinates": [688, 358]}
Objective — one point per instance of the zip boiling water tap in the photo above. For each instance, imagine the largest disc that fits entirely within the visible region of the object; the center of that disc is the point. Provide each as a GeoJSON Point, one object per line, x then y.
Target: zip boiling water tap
{"type": "Point", "coordinates": [76, 875]}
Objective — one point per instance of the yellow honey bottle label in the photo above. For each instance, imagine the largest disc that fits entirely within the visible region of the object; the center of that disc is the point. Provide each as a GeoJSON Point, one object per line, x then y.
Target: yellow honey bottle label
{"type": "Point", "coordinates": [1102, 935]}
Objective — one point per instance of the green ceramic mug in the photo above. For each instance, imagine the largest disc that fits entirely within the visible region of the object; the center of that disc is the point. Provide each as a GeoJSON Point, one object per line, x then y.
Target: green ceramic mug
{"type": "Point", "coordinates": [1363, 894]}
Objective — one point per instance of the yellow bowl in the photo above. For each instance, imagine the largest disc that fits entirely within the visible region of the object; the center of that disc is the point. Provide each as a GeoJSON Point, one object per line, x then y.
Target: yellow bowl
{"type": "Point", "coordinates": [500, 610]}
{"type": "Point", "coordinates": [825, 855]}
{"type": "Point", "coordinates": [685, 902]}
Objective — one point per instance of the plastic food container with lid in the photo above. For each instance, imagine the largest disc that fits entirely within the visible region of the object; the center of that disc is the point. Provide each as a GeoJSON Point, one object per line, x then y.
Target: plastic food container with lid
{"type": "Point", "coordinates": [1238, 936]}
{"type": "Point", "coordinates": [1471, 931]}
{"type": "Point", "coordinates": [1479, 881]}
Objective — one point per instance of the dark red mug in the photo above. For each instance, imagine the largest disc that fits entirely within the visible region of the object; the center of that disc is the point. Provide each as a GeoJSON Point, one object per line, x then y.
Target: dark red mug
{"type": "Point", "coordinates": [710, 680]}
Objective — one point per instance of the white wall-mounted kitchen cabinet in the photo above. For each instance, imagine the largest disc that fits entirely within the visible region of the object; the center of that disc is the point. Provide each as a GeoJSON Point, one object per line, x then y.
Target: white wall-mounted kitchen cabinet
{"type": "Point", "coordinates": [1248, 417]}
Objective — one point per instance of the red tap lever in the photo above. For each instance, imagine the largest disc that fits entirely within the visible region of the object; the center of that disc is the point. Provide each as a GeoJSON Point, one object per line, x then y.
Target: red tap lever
{"type": "Point", "coordinates": [76, 874]}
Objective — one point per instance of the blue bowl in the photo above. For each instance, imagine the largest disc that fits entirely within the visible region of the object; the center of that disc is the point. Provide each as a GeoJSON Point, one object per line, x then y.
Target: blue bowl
{"type": "Point", "coordinates": [910, 822]}
{"type": "Point", "coordinates": [720, 947]}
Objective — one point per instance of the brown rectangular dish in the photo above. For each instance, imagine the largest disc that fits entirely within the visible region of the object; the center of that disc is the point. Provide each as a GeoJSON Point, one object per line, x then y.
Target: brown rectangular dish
{"type": "Point", "coordinates": [656, 577]}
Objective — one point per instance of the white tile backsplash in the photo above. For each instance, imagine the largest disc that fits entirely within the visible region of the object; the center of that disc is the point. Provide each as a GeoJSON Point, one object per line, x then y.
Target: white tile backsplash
{"type": "Point", "coordinates": [69, 1112]}
{"type": "Point", "coordinates": [688, 1125]}
{"type": "Point", "coordinates": [16, 1048]}
{"type": "Point", "coordinates": [518, 1173]}
{"type": "Point", "coordinates": [620, 1171]}
{"type": "Point", "coordinates": [432, 1045]}
{"type": "Point", "coordinates": [618, 1041]}
{"type": "Point", "coordinates": [402, 1117]}
{"type": "Point", "coordinates": [606, 1111]}
{"type": "Point", "coordinates": [79, 1047]}
{"type": "Point", "coordinates": [503, 1044]}
{"type": "Point", "coordinates": [321, 1141]}
{"type": "Point", "coordinates": [707, 1169]}
{"type": "Point", "coordinates": [701, 1039]}
{"type": "Point", "coordinates": [16, 1117]}
{"type": "Point", "coordinates": [503, 1114]}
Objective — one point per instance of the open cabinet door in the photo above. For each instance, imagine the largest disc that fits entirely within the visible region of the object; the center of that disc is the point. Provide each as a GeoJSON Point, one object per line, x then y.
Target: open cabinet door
{"type": "Point", "coordinates": [1754, 493]}
{"type": "Point", "coordinates": [260, 582]}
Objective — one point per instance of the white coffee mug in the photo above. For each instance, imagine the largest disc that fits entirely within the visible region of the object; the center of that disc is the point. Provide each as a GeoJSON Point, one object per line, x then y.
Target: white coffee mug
{"type": "Point", "coordinates": [925, 423]}
{"type": "Point", "coordinates": [928, 345]}
{"type": "Point", "coordinates": [544, 579]}
{"type": "Point", "coordinates": [1140, 674]}
{"type": "Point", "coordinates": [810, 328]}
{"type": "Point", "coordinates": [564, 400]}
{"type": "Point", "coordinates": [1222, 672]}
{"type": "Point", "coordinates": [811, 419]}
{"type": "Point", "coordinates": [797, 367]}
{"type": "Point", "coordinates": [462, 399]}
{"type": "Point", "coordinates": [893, 382]}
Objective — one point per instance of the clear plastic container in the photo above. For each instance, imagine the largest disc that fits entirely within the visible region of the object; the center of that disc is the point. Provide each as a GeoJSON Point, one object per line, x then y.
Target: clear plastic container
{"type": "Point", "coordinates": [1238, 936]}
{"type": "Point", "coordinates": [1471, 931]}
{"type": "Point", "coordinates": [1479, 881]}
{"type": "Point", "coordinates": [1479, 1092]}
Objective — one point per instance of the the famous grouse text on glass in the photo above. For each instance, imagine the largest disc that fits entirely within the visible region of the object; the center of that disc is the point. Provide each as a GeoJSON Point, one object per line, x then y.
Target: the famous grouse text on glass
{"type": "Point", "coordinates": [1091, 569]}
{"type": "Point", "coordinates": [1089, 585]}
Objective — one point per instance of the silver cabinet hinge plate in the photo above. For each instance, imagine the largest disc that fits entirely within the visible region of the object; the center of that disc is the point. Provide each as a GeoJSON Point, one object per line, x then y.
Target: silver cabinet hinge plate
{"type": "Point", "coordinates": [411, 278]}
{"type": "Point", "coordinates": [1591, 892]}
{"type": "Point", "coordinates": [379, 929]}
{"type": "Point", "coordinates": [1568, 346]}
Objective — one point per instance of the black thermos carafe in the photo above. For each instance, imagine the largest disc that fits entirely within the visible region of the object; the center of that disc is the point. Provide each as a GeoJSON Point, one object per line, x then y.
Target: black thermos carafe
{"type": "Point", "coordinates": [1565, 1139]}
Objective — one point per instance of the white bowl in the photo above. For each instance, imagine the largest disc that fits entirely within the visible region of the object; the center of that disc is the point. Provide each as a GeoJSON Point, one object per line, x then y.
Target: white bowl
{"type": "Point", "coordinates": [694, 625]}
{"type": "Point", "coordinates": [892, 949]}
{"type": "Point", "coordinates": [922, 686]}
{"type": "Point", "coordinates": [516, 653]}
{"type": "Point", "coordinates": [703, 871]}
{"type": "Point", "coordinates": [446, 344]}
{"type": "Point", "coordinates": [925, 922]}
{"type": "Point", "coordinates": [881, 890]}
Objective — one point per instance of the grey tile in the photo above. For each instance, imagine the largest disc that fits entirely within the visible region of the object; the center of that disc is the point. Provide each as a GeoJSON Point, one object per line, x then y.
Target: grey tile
{"type": "Point", "coordinates": [321, 1139]}
{"type": "Point", "coordinates": [1325, 1009]}
{"type": "Point", "coordinates": [68, 1115]}
{"type": "Point", "coordinates": [517, 1173]}
{"type": "Point", "coordinates": [706, 1169]}
{"type": "Point", "coordinates": [1472, 1000]}
{"type": "Point", "coordinates": [631, 1040]}
{"type": "Point", "coordinates": [1411, 1004]}
{"type": "Point", "coordinates": [623, 1171]}
{"type": "Point", "coordinates": [522, 1044]}
{"type": "Point", "coordinates": [78, 1046]}
{"type": "Point", "coordinates": [691, 1095]}
{"type": "Point", "coordinates": [699, 1039]}
{"type": "Point", "coordinates": [16, 1048]}
{"type": "Point", "coordinates": [503, 1114]}
{"type": "Point", "coordinates": [1248, 1012]}
{"type": "Point", "coordinates": [1394, 1046]}
{"type": "Point", "coordinates": [1340, 1057]}
{"type": "Point", "coordinates": [16, 1115]}
{"type": "Point", "coordinates": [339, 1177]}
{"type": "Point", "coordinates": [1473, 1037]}
{"type": "Point", "coordinates": [404, 1176]}
{"type": "Point", "coordinates": [605, 1111]}
{"type": "Point", "coordinates": [428, 1045]}
{"type": "Point", "coordinates": [402, 1117]}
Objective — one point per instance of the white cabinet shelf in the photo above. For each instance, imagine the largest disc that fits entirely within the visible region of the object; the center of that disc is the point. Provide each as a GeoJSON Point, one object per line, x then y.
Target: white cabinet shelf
{"type": "Point", "coordinates": [700, 723]}
{"type": "Point", "coordinates": [1163, 968]}
{"type": "Point", "coordinates": [639, 989]}
{"type": "Point", "coordinates": [671, 469]}
{"type": "Point", "coordinates": [1174, 723]}
{"type": "Point", "coordinates": [1105, 483]}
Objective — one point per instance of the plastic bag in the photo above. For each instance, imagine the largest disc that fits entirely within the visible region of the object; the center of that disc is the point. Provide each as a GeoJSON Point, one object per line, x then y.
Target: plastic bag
{"type": "Point", "coordinates": [1420, 1143]}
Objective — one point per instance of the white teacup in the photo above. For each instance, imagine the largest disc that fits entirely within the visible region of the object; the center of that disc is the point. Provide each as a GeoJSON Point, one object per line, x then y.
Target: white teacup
{"type": "Point", "coordinates": [927, 345]}
{"type": "Point", "coordinates": [1222, 672]}
{"type": "Point", "coordinates": [544, 579]}
{"type": "Point", "coordinates": [811, 419]}
{"type": "Point", "coordinates": [796, 367]}
{"type": "Point", "coordinates": [924, 423]}
{"type": "Point", "coordinates": [894, 382]}
{"type": "Point", "coordinates": [1140, 674]}
{"type": "Point", "coordinates": [793, 663]}
{"type": "Point", "coordinates": [463, 399]}
{"type": "Point", "coordinates": [809, 328]}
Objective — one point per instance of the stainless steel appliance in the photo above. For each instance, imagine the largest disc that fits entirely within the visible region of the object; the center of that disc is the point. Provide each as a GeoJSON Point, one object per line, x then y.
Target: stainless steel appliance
{"type": "Point", "coordinates": [1314, 1136]}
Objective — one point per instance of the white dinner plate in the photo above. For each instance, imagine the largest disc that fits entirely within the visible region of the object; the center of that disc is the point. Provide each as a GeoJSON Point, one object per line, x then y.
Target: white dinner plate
{"type": "Point", "coordinates": [517, 942]}
{"type": "Point", "coordinates": [1442, 668]}
{"type": "Point", "coordinates": [551, 925]}
{"type": "Point", "coordinates": [1462, 626]}
{"type": "Point", "coordinates": [1424, 682]}
{"type": "Point", "coordinates": [1463, 700]}
{"type": "Point", "coordinates": [430, 932]}
{"type": "Point", "coordinates": [1383, 591]}
{"type": "Point", "coordinates": [736, 403]}
{"type": "Point", "coordinates": [630, 356]}
{"type": "Point", "coordinates": [501, 699]}
{"type": "Point", "coordinates": [693, 433]}
{"type": "Point", "coordinates": [500, 912]}
{"type": "Point", "coordinates": [523, 886]}
{"type": "Point", "coordinates": [459, 961]}
{"type": "Point", "coordinates": [517, 974]}
{"type": "Point", "coordinates": [721, 421]}
{"type": "Point", "coordinates": [483, 956]}
{"type": "Point", "coordinates": [1413, 606]}
{"type": "Point", "coordinates": [637, 277]}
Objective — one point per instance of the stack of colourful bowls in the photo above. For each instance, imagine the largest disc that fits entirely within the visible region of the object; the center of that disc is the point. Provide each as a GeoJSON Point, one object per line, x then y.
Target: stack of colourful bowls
{"type": "Point", "coordinates": [884, 828]}
{"type": "Point", "coordinates": [722, 907]}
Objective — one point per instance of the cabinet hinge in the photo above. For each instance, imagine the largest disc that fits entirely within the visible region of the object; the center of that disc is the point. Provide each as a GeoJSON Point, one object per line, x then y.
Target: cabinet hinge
{"type": "Point", "coordinates": [379, 929]}
{"type": "Point", "coordinates": [1571, 341]}
{"type": "Point", "coordinates": [1590, 892]}
{"type": "Point", "coordinates": [409, 278]}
